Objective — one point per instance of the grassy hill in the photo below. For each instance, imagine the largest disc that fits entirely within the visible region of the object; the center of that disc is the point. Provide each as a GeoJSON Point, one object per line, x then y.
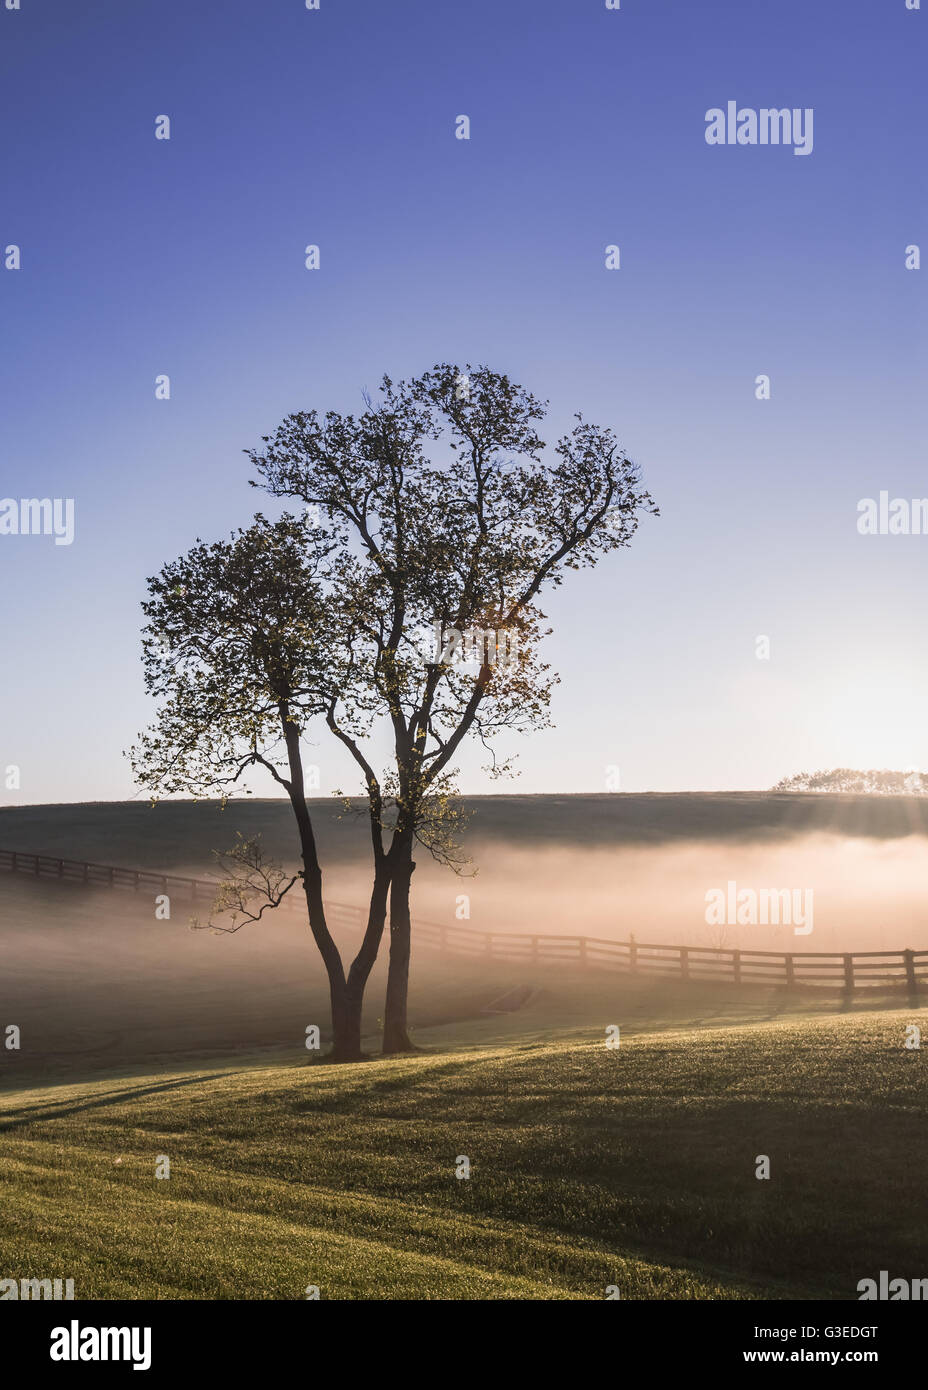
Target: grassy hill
{"type": "Point", "coordinates": [175, 833]}
{"type": "Point", "coordinates": [590, 1167]}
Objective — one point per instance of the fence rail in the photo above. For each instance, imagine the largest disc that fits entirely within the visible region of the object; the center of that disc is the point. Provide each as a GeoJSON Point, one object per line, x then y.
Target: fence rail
{"type": "Point", "coordinates": [847, 971]}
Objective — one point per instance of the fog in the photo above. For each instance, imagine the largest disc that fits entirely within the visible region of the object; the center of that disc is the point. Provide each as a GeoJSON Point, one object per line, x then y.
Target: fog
{"type": "Point", "coordinates": [93, 973]}
{"type": "Point", "coordinates": [868, 895]}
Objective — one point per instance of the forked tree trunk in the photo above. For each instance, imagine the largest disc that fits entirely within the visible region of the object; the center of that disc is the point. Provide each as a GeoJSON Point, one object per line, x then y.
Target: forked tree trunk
{"type": "Point", "coordinates": [347, 1032]}
{"type": "Point", "coordinates": [346, 995]}
{"type": "Point", "coordinates": [395, 1032]}
{"type": "Point", "coordinates": [346, 1013]}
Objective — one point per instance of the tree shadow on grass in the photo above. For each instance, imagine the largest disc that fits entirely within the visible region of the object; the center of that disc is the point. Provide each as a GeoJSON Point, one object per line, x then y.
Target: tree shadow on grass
{"type": "Point", "coordinates": [31, 1114]}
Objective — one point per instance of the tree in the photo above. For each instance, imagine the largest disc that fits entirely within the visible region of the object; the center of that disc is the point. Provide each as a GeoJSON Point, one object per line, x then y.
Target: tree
{"type": "Point", "coordinates": [874, 782]}
{"type": "Point", "coordinates": [243, 646]}
{"type": "Point", "coordinates": [442, 513]}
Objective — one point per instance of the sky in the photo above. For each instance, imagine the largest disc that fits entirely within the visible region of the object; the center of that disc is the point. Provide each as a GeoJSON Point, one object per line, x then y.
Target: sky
{"type": "Point", "coordinates": [336, 127]}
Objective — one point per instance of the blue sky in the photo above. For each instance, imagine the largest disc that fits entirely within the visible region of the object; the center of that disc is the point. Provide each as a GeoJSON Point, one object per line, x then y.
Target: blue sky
{"type": "Point", "coordinates": [336, 127]}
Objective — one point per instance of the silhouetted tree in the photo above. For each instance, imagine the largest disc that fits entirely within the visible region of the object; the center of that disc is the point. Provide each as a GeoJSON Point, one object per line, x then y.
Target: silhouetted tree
{"type": "Point", "coordinates": [243, 647]}
{"type": "Point", "coordinates": [444, 518]}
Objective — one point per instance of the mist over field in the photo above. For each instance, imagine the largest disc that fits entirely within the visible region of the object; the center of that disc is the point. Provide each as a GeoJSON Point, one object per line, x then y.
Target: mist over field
{"type": "Point", "coordinates": [95, 978]}
{"type": "Point", "coordinates": [603, 865]}
{"type": "Point", "coordinates": [868, 894]}
{"type": "Point", "coordinates": [595, 865]}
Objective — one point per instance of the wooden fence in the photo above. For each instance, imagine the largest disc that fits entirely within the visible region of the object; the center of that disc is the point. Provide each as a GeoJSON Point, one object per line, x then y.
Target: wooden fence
{"type": "Point", "coordinates": [847, 971]}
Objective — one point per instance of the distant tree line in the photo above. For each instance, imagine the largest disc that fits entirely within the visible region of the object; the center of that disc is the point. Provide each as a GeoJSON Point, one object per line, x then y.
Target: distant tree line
{"type": "Point", "coordinates": [875, 781]}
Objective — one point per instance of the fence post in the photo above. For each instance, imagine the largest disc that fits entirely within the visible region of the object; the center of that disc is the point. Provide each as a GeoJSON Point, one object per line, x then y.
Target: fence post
{"type": "Point", "coordinates": [790, 971]}
{"type": "Point", "coordinates": [684, 963]}
{"type": "Point", "coordinates": [582, 941]}
{"type": "Point", "coordinates": [909, 957]}
{"type": "Point", "coordinates": [848, 975]}
{"type": "Point", "coordinates": [736, 966]}
{"type": "Point", "coordinates": [632, 954]}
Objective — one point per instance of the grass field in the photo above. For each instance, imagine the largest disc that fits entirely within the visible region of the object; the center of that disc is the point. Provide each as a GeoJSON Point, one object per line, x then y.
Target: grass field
{"type": "Point", "coordinates": [590, 1167]}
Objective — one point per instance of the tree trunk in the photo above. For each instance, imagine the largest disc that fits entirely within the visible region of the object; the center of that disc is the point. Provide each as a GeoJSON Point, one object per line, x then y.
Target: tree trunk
{"type": "Point", "coordinates": [395, 1034]}
{"type": "Point", "coordinates": [346, 1028]}
{"type": "Point", "coordinates": [348, 1003]}
{"type": "Point", "coordinates": [346, 1006]}
{"type": "Point", "coordinates": [345, 1001]}
{"type": "Point", "coordinates": [363, 963]}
